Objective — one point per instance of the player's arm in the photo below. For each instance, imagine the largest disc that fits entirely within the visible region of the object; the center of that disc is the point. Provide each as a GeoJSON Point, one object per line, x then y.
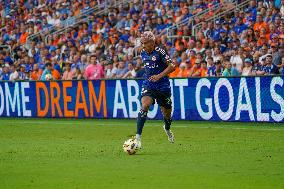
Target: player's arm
{"type": "Point", "coordinates": [168, 70]}
{"type": "Point", "coordinates": [167, 60]}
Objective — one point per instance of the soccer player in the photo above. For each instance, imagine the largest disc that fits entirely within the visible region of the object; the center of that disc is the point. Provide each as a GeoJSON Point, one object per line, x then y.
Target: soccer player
{"type": "Point", "coordinates": [156, 86]}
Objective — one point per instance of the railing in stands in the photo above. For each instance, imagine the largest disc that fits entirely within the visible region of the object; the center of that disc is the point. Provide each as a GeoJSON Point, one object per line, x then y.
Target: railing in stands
{"type": "Point", "coordinates": [220, 15]}
{"type": "Point", "coordinates": [64, 23]}
{"type": "Point", "coordinates": [65, 29]}
{"type": "Point", "coordinates": [190, 21]}
{"type": "Point", "coordinates": [83, 20]}
{"type": "Point", "coordinates": [100, 8]}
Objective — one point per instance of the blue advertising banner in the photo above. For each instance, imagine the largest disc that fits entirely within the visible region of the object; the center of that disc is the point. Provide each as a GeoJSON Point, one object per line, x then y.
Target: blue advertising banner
{"type": "Point", "coordinates": [217, 99]}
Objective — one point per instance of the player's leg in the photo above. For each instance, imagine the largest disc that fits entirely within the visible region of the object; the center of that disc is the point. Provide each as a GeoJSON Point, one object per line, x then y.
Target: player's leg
{"type": "Point", "coordinates": [167, 117]}
{"type": "Point", "coordinates": [165, 102]}
{"type": "Point", "coordinates": [167, 123]}
{"type": "Point", "coordinates": [146, 101]}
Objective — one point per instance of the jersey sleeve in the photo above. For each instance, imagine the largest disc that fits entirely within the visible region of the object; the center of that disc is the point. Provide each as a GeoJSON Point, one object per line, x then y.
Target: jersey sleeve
{"type": "Point", "coordinates": [166, 59]}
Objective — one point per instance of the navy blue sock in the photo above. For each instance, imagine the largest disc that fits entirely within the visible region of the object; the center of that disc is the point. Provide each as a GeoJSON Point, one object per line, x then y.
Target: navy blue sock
{"type": "Point", "coordinates": [142, 115]}
{"type": "Point", "coordinates": [168, 123]}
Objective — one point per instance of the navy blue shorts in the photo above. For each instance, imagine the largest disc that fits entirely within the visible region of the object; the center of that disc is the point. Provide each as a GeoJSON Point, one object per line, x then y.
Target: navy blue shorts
{"type": "Point", "coordinates": [163, 98]}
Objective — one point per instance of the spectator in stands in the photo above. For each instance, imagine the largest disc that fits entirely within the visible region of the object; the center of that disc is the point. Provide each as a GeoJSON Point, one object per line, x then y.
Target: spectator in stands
{"type": "Point", "coordinates": [192, 58]}
{"type": "Point", "coordinates": [14, 73]}
{"type": "Point", "coordinates": [109, 68]}
{"type": "Point", "coordinates": [208, 55]}
{"type": "Point", "coordinates": [211, 67]}
{"type": "Point", "coordinates": [270, 69]}
{"type": "Point", "coordinates": [177, 69]}
{"type": "Point", "coordinates": [240, 26]}
{"type": "Point", "coordinates": [255, 63]}
{"type": "Point", "coordinates": [5, 75]}
{"type": "Point", "coordinates": [184, 58]}
{"type": "Point", "coordinates": [203, 69]}
{"type": "Point", "coordinates": [217, 53]}
{"type": "Point", "coordinates": [46, 71]}
{"type": "Point", "coordinates": [260, 68]}
{"type": "Point", "coordinates": [262, 38]}
{"type": "Point", "coordinates": [247, 69]}
{"type": "Point", "coordinates": [91, 46]}
{"type": "Point", "coordinates": [195, 71]}
{"type": "Point", "coordinates": [263, 52]}
{"type": "Point", "coordinates": [277, 57]}
{"type": "Point", "coordinates": [78, 74]}
{"type": "Point", "coordinates": [131, 73]}
{"type": "Point", "coordinates": [120, 71]}
{"type": "Point", "coordinates": [68, 74]}
{"type": "Point", "coordinates": [94, 70]}
{"type": "Point", "coordinates": [260, 23]}
{"type": "Point", "coordinates": [36, 73]}
{"type": "Point", "coordinates": [183, 70]}
{"type": "Point", "coordinates": [229, 70]}
{"type": "Point", "coordinates": [237, 59]}
{"type": "Point", "coordinates": [22, 73]}
{"type": "Point", "coordinates": [55, 73]}
{"type": "Point", "coordinates": [199, 48]}
{"type": "Point", "coordinates": [219, 68]}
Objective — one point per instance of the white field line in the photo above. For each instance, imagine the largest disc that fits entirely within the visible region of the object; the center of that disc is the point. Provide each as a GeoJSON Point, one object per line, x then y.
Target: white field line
{"type": "Point", "coordinates": [177, 126]}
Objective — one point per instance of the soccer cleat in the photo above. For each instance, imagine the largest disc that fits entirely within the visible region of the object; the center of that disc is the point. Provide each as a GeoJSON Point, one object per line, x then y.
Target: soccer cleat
{"type": "Point", "coordinates": [170, 134]}
{"type": "Point", "coordinates": [138, 142]}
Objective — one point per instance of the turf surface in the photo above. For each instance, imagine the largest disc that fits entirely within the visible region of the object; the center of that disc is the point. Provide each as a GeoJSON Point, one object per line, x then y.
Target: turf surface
{"type": "Point", "coordinates": [46, 153]}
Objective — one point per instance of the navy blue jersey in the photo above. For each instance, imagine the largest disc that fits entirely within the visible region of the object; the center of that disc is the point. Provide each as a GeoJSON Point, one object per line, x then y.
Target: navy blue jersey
{"type": "Point", "coordinates": [271, 69]}
{"type": "Point", "coordinates": [211, 71]}
{"type": "Point", "coordinates": [155, 63]}
{"type": "Point", "coordinates": [5, 76]}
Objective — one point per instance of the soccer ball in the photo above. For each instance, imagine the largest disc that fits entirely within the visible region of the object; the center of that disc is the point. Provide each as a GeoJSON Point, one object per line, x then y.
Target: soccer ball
{"type": "Point", "coordinates": [130, 146]}
{"type": "Point", "coordinates": [48, 77]}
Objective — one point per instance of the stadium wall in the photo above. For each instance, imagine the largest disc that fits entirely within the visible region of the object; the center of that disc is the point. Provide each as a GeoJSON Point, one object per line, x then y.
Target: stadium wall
{"type": "Point", "coordinates": [216, 99]}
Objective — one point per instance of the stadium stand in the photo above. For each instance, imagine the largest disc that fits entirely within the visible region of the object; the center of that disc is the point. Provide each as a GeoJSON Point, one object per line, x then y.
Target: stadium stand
{"type": "Point", "coordinates": [204, 38]}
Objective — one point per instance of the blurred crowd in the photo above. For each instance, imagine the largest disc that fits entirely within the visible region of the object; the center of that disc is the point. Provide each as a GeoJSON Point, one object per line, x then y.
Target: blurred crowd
{"type": "Point", "coordinates": [249, 41]}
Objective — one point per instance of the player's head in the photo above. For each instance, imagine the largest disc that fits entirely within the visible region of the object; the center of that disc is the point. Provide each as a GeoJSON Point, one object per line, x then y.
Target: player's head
{"type": "Point", "coordinates": [148, 41]}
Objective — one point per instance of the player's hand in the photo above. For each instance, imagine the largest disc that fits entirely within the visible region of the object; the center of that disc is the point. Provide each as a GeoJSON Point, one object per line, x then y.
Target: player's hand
{"type": "Point", "coordinates": [155, 78]}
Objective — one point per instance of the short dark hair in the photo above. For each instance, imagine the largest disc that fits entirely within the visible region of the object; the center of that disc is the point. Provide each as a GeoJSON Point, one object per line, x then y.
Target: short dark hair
{"type": "Point", "coordinates": [48, 64]}
{"type": "Point", "coordinates": [203, 62]}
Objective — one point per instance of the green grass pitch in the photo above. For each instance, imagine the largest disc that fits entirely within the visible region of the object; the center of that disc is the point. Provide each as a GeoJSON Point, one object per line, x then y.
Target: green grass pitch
{"type": "Point", "coordinates": [68, 153]}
